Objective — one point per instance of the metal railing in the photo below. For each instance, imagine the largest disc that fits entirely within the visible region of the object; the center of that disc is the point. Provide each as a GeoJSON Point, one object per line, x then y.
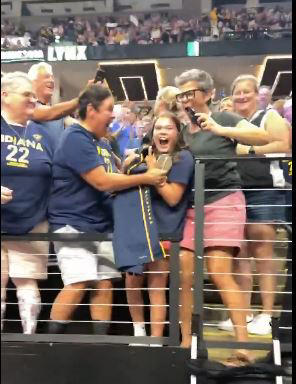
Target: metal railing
{"type": "Point", "coordinates": [173, 326]}
{"type": "Point", "coordinates": [199, 274]}
{"type": "Point", "coordinates": [174, 284]}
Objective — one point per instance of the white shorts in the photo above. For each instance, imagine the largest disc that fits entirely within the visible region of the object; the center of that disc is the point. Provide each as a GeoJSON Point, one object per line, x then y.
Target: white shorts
{"type": "Point", "coordinates": [85, 261]}
{"type": "Point", "coordinates": [26, 259]}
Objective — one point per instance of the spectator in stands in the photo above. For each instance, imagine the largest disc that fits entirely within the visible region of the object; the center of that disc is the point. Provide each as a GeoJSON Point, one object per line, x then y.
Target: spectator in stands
{"type": "Point", "coordinates": [265, 97]}
{"type": "Point", "coordinates": [227, 28]}
{"type": "Point", "coordinates": [54, 117]}
{"type": "Point", "coordinates": [214, 103]}
{"type": "Point", "coordinates": [84, 169]}
{"type": "Point", "coordinates": [214, 17]}
{"type": "Point", "coordinates": [144, 126]}
{"type": "Point", "coordinates": [226, 105]}
{"type": "Point", "coordinates": [166, 100]}
{"type": "Point", "coordinates": [261, 220]}
{"type": "Point", "coordinates": [287, 112]}
{"type": "Point", "coordinates": [153, 29]}
{"type": "Point", "coordinates": [278, 105]}
{"type": "Point", "coordinates": [212, 136]}
{"type": "Point", "coordinates": [124, 129]}
{"type": "Point", "coordinates": [26, 159]}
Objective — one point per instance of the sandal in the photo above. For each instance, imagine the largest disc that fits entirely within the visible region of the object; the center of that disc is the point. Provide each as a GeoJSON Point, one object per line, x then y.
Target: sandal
{"type": "Point", "coordinates": [239, 358]}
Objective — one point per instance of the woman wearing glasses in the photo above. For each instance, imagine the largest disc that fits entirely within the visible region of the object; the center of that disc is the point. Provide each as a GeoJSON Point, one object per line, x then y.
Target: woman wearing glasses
{"type": "Point", "coordinates": [26, 158]}
{"type": "Point", "coordinates": [215, 135]}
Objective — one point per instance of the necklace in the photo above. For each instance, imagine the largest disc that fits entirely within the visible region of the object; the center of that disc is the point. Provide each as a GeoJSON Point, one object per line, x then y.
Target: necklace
{"type": "Point", "coordinates": [16, 132]}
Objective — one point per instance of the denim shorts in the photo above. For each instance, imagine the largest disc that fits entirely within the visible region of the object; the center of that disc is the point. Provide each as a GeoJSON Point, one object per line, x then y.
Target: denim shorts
{"type": "Point", "coordinates": [266, 206]}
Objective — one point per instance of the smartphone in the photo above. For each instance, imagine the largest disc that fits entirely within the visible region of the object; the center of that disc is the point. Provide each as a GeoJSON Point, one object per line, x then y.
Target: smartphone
{"type": "Point", "coordinates": [100, 76]}
{"type": "Point", "coordinates": [192, 115]}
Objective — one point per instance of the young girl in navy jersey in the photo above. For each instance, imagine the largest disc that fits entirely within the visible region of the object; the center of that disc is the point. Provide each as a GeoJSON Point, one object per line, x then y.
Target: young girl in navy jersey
{"type": "Point", "coordinates": [84, 174]}
{"type": "Point", "coordinates": [26, 159]}
{"type": "Point", "coordinates": [169, 205]}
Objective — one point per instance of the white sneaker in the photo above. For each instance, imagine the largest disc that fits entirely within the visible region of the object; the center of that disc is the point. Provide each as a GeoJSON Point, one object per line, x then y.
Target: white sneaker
{"type": "Point", "coordinates": [228, 326]}
{"type": "Point", "coordinates": [261, 325]}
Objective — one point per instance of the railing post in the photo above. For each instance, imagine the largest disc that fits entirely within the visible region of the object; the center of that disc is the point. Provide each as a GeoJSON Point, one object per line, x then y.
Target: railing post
{"type": "Point", "coordinates": [199, 199]}
{"type": "Point", "coordinates": [174, 332]}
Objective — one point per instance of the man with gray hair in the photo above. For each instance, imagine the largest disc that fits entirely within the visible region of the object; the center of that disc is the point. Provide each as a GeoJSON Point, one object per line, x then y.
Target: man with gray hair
{"type": "Point", "coordinates": [54, 117]}
{"type": "Point", "coordinates": [41, 75]}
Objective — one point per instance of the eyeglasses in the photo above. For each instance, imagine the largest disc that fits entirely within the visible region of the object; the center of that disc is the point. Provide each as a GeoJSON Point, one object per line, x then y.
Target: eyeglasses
{"type": "Point", "coordinates": [188, 95]}
{"type": "Point", "coordinates": [27, 95]}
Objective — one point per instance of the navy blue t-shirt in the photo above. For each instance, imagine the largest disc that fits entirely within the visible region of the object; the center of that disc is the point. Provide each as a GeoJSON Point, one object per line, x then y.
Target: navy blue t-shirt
{"type": "Point", "coordinates": [26, 166]}
{"type": "Point", "coordinates": [170, 220]}
{"type": "Point", "coordinates": [73, 201]}
{"type": "Point", "coordinates": [55, 128]}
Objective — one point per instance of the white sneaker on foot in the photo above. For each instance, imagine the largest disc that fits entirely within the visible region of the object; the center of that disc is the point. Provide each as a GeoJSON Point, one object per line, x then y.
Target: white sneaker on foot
{"type": "Point", "coordinates": [261, 325]}
{"type": "Point", "coordinates": [228, 326]}
{"type": "Point", "coordinates": [139, 330]}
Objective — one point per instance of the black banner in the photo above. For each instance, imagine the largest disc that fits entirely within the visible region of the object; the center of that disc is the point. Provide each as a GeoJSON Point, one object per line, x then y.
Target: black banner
{"type": "Point", "coordinates": [61, 52]}
{"type": "Point", "coordinates": [23, 55]}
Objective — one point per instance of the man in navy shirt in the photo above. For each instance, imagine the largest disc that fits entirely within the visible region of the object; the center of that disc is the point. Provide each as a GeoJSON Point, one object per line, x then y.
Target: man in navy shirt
{"type": "Point", "coordinates": [41, 75]}
{"type": "Point", "coordinates": [55, 117]}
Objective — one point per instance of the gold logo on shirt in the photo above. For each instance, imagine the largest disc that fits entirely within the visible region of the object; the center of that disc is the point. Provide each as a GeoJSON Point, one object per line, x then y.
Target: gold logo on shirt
{"type": "Point", "coordinates": [37, 137]}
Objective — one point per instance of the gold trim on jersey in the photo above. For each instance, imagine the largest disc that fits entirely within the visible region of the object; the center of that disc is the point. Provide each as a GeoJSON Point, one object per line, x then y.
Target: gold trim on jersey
{"type": "Point", "coordinates": [145, 224]}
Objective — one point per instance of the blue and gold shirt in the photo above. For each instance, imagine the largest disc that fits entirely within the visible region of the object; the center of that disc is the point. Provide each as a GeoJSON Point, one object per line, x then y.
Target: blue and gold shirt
{"type": "Point", "coordinates": [26, 167]}
{"type": "Point", "coordinates": [73, 201]}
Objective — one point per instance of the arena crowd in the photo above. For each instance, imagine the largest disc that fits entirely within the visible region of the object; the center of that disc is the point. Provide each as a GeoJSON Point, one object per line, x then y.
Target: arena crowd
{"type": "Point", "coordinates": [156, 28]}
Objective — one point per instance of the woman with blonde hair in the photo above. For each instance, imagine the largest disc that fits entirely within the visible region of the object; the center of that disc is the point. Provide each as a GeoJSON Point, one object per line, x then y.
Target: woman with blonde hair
{"type": "Point", "coordinates": [264, 184]}
{"type": "Point", "coordinates": [166, 100]}
{"type": "Point", "coordinates": [226, 104]}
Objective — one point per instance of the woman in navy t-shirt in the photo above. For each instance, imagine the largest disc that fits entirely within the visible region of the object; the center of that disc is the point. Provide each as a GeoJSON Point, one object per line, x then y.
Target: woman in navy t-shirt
{"type": "Point", "coordinates": [84, 175]}
{"type": "Point", "coordinates": [26, 159]}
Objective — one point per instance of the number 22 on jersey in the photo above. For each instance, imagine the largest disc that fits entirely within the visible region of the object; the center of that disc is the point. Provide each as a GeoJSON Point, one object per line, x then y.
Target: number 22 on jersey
{"type": "Point", "coordinates": [17, 156]}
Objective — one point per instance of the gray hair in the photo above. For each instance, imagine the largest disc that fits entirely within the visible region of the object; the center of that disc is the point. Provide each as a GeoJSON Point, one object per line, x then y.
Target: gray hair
{"type": "Point", "coordinates": [12, 80]}
{"type": "Point", "coordinates": [203, 78]}
{"type": "Point", "coordinates": [246, 77]}
{"type": "Point", "coordinates": [35, 69]}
